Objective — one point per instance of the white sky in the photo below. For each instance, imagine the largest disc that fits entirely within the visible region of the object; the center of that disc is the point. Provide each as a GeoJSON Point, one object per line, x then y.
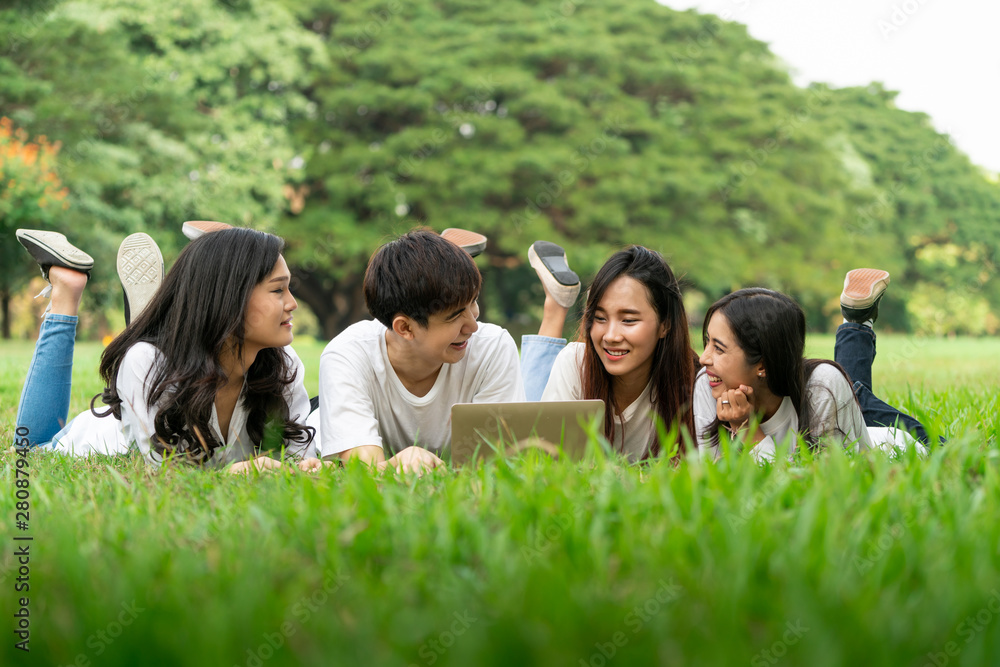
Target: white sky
{"type": "Point", "coordinates": [944, 59]}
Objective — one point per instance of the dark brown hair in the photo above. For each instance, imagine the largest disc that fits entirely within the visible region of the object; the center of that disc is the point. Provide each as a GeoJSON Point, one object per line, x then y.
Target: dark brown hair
{"type": "Point", "coordinates": [417, 275]}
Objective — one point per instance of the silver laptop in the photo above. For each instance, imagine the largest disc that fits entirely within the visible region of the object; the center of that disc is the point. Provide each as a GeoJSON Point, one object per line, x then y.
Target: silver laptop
{"type": "Point", "coordinates": [559, 428]}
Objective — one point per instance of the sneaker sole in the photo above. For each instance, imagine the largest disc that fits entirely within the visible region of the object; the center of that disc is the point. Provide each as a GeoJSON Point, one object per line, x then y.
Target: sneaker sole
{"type": "Point", "coordinates": [860, 288]}
{"type": "Point", "coordinates": [52, 249]}
{"type": "Point", "coordinates": [549, 261]}
{"type": "Point", "coordinates": [194, 229]}
{"type": "Point", "coordinates": [551, 257]}
{"type": "Point", "coordinates": [140, 269]}
{"type": "Point", "coordinates": [470, 242]}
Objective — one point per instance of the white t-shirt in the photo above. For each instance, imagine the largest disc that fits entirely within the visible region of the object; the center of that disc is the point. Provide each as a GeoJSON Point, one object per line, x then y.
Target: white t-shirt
{"type": "Point", "coordinates": [363, 401]}
{"type": "Point", "coordinates": [88, 433]}
{"type": "Point", "coordinates": [835, 415]}
{"type": "Point", "coordinates": [566, 384]}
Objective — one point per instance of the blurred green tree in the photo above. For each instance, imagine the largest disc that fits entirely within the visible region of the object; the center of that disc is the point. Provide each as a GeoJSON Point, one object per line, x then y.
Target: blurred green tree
{"type": "Point", "coordinates": [594, 125]}
{"type": "Point", "coordinates": [30, 194]}
{"type": "Point", "coordinates": [931, 213]}
{"type": "Point", "coordinates": [166, 112]}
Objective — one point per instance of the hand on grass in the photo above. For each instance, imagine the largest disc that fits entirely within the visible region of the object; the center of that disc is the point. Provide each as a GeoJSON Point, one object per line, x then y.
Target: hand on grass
{"type": "Point", "coordinates": [413, 459]}
{"type": "Point", "coordinates": [312, 464]}
{"type": "Point", "coordinates": [261, 463]}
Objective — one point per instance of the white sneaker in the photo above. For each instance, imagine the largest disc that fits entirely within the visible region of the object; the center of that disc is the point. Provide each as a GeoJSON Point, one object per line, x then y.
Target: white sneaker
{"type": "Point", "coordinates": [140, 268]}
{"type": "Point", "coordinates": [52, 249]}
{"type": "Point", "coordinates": [560, 282]}
{"type": "Point", "coordinates": [197, 228]}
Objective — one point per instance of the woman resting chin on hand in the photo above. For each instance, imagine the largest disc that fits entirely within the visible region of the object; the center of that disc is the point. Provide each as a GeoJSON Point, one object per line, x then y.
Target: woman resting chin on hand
{"type": "Point", "coordinates": [754, 371]}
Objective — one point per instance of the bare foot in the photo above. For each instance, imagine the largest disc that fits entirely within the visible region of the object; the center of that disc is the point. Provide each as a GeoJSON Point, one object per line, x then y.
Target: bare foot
{"type": "Point", "coordinates": [67, 290]}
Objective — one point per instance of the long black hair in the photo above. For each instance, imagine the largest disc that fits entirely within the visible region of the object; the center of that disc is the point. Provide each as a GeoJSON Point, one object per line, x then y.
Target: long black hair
{"type": "Point", "coordinates": [770, 327]}
{"type": "Point", "coordinates": [673, 367]}
{"type": "Point", "coordinates": [197, 314]}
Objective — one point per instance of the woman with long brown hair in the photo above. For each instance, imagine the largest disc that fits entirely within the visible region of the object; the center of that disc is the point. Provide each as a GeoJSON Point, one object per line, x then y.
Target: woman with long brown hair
{"type": "Point", "coordinates": [634, 351]}
{"type": "Point", "coordinates": [202, 374]}
{"type": "Point", "coordinates": [756, 383]}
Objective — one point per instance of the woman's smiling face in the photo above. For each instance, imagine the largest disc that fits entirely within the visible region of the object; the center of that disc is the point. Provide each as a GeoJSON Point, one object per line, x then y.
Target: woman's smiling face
{"type": "Point", "coordinates": [626, 330]}
{"type": "Point", "coordinates": [724, 360]}
{"type": "Point", "coordinates": [269, 312]}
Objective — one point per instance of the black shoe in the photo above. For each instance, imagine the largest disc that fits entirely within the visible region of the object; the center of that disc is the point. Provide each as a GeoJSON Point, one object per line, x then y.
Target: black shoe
{"type": "Point", "coordinates": [52, 249]}
{"type": "Point", "coordinates": [863, 289]}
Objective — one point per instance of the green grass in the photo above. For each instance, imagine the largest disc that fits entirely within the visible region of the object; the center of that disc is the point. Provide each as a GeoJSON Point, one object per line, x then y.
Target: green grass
{"type": "Point", "coordinates": [831, 560]}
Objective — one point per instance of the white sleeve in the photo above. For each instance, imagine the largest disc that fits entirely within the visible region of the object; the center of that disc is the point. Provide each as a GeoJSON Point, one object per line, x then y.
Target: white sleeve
{"type": "Point", "coordinates": [346, 407]}
{"type": "Point", "coordinates": [705, 414]}
{"type": "Point", "coordinates": [835, 416]}
{"type": "Point", "coordinates": [764, 451]}
{"type": "Point", "coordinates": [565, 381]}
{"type": "Point", "coordinates": [499, 378]}
{"type": "Point", "coordinates": [297, 399]}
{"type": "Point", "coordinates": [137, 416]}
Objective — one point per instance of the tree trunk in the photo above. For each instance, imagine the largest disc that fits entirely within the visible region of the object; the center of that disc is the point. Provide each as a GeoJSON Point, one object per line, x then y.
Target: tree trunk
{"type": "Point", "coordinates": [337, 304]}
{"type": "Point", "coordinates": [5, 313]}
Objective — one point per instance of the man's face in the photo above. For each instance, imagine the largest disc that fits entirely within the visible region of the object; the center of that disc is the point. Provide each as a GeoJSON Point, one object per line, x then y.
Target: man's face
{"type": "Point", "coordinates": [446, 336]}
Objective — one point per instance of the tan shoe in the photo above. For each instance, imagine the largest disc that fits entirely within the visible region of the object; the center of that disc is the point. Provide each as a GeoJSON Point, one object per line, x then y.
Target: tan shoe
{"type": "Point", "coordinates": [196, 228]}
{"type": "Point", "coordinates": [470, 242]}
{"type": "Point", "coordinates": [863, 289]}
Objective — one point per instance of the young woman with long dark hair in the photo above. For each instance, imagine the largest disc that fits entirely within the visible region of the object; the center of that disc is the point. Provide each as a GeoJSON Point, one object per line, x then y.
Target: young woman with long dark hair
{"type": "Point", "coordinates": [756, 383]}
{"type": "Point", "coordinates": [634, 350]}
{"type": "Point", "coordinates": [202, 374]}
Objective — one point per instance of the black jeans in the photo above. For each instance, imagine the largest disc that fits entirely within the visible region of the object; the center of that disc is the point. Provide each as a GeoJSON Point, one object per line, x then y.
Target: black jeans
{"type": "Point", "coordinates": [855, 351]}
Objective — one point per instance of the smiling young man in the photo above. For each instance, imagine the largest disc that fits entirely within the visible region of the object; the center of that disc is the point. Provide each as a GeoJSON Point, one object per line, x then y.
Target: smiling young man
{"type": "Point", "coordinates": [387, 385]}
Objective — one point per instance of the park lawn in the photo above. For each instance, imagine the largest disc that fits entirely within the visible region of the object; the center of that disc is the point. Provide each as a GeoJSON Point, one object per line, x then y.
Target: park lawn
{"type": "Point", "coordinates": [828, 560]}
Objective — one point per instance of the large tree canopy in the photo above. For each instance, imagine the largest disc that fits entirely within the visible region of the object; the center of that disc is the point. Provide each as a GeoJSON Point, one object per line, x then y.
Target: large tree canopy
{"type": "Point", "coordinates": [593, 125]}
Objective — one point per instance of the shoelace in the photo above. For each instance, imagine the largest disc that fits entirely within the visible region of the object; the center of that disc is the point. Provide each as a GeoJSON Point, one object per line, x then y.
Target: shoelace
{"type": "Point", "coordinates": [47, 293]}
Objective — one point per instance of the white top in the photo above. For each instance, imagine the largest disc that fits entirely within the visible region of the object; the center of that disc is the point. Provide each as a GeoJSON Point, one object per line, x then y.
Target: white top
{"type": "Point", "coordinates": [88, 433]}
{"type": "Point", "coordinates": [566, 384]}
{"type": "Point", "coordinates": [363, 401]}
{"type": "Point", "coordinates": [835, 415]}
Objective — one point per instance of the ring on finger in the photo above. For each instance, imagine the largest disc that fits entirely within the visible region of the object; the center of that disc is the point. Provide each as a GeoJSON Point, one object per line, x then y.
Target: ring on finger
{"type": "Point", "coordinates": [725, 402]}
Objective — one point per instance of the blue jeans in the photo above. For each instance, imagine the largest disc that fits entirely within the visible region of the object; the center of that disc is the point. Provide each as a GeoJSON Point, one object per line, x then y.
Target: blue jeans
{"type": "Point", "coordinates": [44, 402]}
{"type": "Point", "coordinates": [855, 351]}
{"type": "Point", "coordinates": [538, 354]}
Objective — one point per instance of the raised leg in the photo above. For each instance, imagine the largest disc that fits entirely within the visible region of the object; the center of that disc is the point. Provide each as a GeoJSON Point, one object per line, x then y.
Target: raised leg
{"type": "Point", "coordinates": [855, 348]}
{"type": "Point", "coordinates": [44, 404]}
{"type": "Point", "coordinates": [538, 354]}
{"type": "Point", "coordinates": [562, 286]}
